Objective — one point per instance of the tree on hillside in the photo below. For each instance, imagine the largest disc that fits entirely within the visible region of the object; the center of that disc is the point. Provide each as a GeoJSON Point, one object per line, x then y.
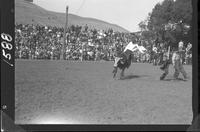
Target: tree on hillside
{"type": "Point", "coordinates": [169, 21]}
{"type": "Point", "coordinates": [182, 16]}
{"type": "Point", "coordinates": [182, 11]}
{"type": "Point", "coordinates": [146, 34]}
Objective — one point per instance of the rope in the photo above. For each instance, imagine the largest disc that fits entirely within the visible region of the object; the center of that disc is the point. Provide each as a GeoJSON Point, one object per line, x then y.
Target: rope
{"type": "Point", "coordinates": [83, 2]}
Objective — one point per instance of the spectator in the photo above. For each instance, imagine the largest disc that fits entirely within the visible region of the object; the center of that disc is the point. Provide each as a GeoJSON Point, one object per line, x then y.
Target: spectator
{"type": "Point", "coordinates": [45, 42]}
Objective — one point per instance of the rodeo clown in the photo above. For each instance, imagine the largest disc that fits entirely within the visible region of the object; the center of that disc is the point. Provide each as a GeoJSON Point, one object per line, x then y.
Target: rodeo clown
{"type": "Point", "coordinates": [177, 64]}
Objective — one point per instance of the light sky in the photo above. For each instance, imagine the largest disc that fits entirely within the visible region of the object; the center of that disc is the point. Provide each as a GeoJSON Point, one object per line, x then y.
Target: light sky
{"type": "Point", "coordinates": [125, 13]}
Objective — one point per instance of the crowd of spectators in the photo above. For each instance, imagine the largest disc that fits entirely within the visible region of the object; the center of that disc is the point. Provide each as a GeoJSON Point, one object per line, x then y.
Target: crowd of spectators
{"type": "Point", "coordinates": [37, 42]}
{"type": "Point", "coordinates": [82, 43]}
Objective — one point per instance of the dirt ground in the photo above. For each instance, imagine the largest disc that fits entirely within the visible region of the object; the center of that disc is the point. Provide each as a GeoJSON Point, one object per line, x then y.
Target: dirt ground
{"type": "Point", "coordinates": [67, 92]}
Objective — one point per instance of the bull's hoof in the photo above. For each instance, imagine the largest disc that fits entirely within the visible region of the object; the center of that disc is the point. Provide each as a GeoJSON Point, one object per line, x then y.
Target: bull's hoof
{"type": "Point", "coordinates": [114, 75]}
{"type": "Point", "coordinates": [161, 78]}
{"type": "Point", "coordinates": [122, 77]}
{"type": "Point", "coordinates": [162, 68]}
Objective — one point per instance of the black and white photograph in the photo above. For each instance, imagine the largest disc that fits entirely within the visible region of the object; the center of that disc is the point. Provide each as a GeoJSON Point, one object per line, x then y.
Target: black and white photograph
{"type": "Point", "coordinates": [103, 62]}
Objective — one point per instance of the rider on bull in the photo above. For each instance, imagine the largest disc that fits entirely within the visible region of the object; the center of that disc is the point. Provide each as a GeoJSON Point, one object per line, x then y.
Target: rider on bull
{"type": "Point", "coordinates": [117, 52]}
{"type": "Point", "coordinates": [119, 49]}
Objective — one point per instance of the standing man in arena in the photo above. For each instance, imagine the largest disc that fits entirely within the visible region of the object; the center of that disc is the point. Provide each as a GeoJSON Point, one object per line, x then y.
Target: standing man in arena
{"type": "Point", "coordinates": [166, 63]}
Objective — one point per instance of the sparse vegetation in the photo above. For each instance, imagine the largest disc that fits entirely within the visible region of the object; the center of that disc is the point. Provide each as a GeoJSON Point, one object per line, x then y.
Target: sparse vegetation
{"type": "Point", "coordinates": [29, 13]}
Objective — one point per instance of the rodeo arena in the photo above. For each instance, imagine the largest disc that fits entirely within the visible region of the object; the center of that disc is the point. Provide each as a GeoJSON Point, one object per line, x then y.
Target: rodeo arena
{"type": "Point", "coordinates": [80, 75]}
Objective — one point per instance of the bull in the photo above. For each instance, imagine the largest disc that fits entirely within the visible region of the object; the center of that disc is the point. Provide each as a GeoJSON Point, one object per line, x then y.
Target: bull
{"type": "Point", "coordinates": [126, 58]}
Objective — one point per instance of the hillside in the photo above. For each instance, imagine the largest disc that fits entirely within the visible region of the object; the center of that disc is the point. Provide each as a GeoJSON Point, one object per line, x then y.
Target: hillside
{"type": "Point", "coordinates": [29, 13]}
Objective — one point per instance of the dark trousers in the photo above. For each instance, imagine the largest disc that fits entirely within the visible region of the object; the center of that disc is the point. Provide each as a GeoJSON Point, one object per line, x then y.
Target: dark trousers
{"type": "Point", "coordinates": [165, 68]}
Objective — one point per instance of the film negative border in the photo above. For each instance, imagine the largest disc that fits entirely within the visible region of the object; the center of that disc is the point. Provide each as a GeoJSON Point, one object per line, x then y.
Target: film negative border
{"type": "Point", "coordinates": [8, 79]}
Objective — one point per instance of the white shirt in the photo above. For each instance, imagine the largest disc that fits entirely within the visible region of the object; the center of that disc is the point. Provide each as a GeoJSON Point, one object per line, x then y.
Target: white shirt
{"type": "Point", "coordinates": [133, 47]}
{"type": "Point", "coordinates": [180, 44]}
{"type": "Point", "coordinates": [175, 57]}
{"type": "Point", "coordinates": [155, 49]}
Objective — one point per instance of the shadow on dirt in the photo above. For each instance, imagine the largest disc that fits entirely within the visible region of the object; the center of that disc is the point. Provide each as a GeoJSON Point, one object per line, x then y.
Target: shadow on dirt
{"type": "Point", "coordinates": [171, 79]}
{"type": "Point", "coordinates": [130, 77]}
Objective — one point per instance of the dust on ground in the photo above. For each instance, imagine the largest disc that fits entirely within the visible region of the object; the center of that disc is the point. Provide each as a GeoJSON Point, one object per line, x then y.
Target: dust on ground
{"type": "Point", "coordinates": [74, 92]}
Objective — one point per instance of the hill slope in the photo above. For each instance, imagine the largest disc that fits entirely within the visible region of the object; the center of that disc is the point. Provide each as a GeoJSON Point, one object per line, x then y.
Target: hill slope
{"type": "Point", "coordinates": [29, 13]}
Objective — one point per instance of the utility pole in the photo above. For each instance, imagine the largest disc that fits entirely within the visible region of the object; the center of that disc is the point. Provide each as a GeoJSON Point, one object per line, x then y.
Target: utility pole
{"type": "Point", "coordinates": [82, 52]}
{"type": "Point", "coordinates": [64, 36]}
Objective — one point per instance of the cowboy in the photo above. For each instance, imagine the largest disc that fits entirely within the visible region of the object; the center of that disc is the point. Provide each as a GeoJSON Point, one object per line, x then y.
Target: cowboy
{"type": "Point", "coordinates": [165, 65]}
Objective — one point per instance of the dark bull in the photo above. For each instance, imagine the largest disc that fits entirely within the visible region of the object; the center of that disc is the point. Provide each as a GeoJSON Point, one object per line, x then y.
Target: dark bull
{"type": "Point", "coordinates": [126, 57]}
